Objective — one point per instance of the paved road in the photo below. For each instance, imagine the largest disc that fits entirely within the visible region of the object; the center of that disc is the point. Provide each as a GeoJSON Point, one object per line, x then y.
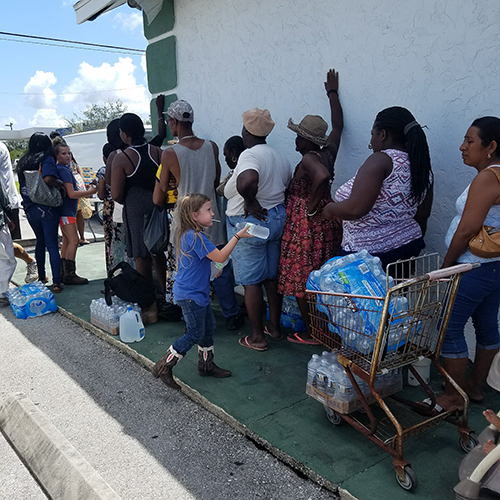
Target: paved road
{"type": "Point", "coordinates": [145, 440]}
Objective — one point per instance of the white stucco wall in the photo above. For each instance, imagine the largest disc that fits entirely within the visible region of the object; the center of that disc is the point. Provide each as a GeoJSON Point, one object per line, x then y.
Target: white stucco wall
{"type": "Point", "coordinates": [437, 58]}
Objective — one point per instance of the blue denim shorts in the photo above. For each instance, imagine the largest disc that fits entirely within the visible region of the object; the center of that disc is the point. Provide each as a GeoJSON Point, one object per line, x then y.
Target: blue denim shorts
{"type": "Point", "coordinates": [478, 297]}
{"type": "Point", "coordinates": [256, 260]}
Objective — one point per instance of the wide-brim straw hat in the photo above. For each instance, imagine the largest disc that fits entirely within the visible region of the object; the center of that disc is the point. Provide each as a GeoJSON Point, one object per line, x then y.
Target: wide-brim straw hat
{"type": "Point", "coordinates": [311, 127]}
{"type": "Point", "coordinates": [258, 122]}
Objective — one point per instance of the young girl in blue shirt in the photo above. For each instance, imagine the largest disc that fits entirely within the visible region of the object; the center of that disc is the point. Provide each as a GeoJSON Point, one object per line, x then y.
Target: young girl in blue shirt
{"type": "Point", "coordinates": [67, 221]}
{"type": "Point", "coordinates": [194, 252]}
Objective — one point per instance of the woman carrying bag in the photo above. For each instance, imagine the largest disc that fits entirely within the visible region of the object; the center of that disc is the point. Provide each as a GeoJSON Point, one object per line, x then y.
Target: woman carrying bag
{"type": "Point", "coordinates": [478, 295]}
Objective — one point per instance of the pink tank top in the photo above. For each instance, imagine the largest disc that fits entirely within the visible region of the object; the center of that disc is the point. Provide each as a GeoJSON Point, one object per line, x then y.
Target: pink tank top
{"type": "Point", "coordinates": [390, 223]}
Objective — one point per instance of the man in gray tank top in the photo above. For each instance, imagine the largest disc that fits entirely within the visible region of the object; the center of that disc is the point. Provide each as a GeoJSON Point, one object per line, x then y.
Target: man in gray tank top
{"type": "Point", "coordinates": [194, 163]}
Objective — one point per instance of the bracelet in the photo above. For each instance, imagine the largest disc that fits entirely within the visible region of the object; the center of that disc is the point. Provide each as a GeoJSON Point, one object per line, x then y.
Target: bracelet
{"type": "Point", "coordinates": [335, 91]}
{"type": "Point", "coordinates": [311, 214]}
{"type": "Point", "coordinates": [237, 237]}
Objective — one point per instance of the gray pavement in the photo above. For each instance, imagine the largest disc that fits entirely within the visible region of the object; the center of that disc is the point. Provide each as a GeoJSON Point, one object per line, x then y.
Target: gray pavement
{"type": "Point", "coordinates": [16, 483]}
{"type": "Point", "coordinates": [144, 439]}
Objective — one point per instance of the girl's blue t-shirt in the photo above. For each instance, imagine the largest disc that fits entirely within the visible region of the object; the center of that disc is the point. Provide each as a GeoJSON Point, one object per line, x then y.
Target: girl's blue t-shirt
{"type": "Point", "coordinates": [70, 205]}
{"type": "Point", "coordinates": [192, 281]}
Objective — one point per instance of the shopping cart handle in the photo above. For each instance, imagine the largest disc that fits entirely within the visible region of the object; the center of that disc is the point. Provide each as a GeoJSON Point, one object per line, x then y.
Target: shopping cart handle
{"type": "Point", "coordinates": [451, 271]}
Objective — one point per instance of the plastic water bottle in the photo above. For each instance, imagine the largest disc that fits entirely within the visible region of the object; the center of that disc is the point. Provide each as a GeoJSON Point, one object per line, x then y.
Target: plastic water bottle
{"type": "Point", "coordinates": [312, 366]}
{"type": "Point", "coordinates": [131, 326]}
{"type": "Point", "coordinates": [216, 268]}
{"type": "Point", "coordinates": [254, 229]}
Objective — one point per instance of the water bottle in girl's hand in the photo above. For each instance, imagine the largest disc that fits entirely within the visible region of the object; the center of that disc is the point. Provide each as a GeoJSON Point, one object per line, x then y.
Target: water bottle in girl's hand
{"type": "Point", "coordinates": [254, 229]}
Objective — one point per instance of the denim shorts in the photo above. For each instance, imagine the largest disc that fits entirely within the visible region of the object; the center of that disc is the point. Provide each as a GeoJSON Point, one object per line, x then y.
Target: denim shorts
{"type": "Point", "coordinates": [256, 260]}
{"type": "Point", "coordinates": [478, 297]}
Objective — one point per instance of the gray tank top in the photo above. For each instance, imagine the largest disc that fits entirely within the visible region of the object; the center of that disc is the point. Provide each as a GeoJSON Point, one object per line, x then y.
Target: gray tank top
{"type": "Point", "coordinates": [198, 176]}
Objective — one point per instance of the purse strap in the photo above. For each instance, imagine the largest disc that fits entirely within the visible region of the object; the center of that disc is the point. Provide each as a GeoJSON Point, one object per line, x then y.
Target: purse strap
{"type": "Point", "coordinates": [496, 170]}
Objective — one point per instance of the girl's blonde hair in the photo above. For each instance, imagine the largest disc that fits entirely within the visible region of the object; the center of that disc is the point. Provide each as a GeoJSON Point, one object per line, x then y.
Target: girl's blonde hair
{"type": "Point", "coordinates": [186, 206]}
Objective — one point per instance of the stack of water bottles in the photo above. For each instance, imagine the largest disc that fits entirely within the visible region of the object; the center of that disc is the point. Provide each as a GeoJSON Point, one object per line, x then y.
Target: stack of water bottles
{"type": "Point", "coordinates": [106, 317]}
{"type": "Point", "coordinates": [31, 300]}
{"type": "Point", "coordinates": [356, 320]}
{"type": "Point", "coordinates": [291, 316]}
{"type": "Point", "coordinates": [328, 382]}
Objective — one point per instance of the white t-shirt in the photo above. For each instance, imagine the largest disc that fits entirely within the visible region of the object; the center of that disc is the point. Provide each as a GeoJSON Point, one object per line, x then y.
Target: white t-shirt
{"type": "Point", "coordinates": [7, 177]}
{"type": "Point", "coordinates": [275, 173]}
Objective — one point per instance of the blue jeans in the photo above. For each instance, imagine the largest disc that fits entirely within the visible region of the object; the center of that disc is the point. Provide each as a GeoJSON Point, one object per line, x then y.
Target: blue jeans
{"type": "Point", "coordinates": [200, 326]}
{"type": "Point", "coordinates": [224, 289]}
{"type": "Point", "coordinates": [256, 260]}
{"type": "Point", "coordinates": [45, 224]}
{"type": "Point", "coordinates": [478, 297]}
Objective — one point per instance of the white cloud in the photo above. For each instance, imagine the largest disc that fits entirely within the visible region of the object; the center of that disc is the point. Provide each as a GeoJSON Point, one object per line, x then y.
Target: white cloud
{"type": "Point", "coordinates": [42, 97]}
{"type": "Point", "coordinates": [96, 84]}
{"type": "Point", "coordinates": [46, 118]}
{"type": "Point", "coordinates": [128, 22]}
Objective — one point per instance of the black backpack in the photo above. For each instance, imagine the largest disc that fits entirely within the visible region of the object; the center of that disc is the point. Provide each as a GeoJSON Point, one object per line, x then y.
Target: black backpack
{"type": "Point", "coordinates": [129, 285]}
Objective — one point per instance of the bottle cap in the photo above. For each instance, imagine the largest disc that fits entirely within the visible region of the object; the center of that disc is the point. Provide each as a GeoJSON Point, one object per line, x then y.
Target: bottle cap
{"type": "Point", "coordinates": [129, 308]}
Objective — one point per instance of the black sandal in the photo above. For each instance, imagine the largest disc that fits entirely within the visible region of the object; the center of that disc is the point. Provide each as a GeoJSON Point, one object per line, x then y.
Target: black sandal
{"type": "Point", "coordinates": [56, 288]}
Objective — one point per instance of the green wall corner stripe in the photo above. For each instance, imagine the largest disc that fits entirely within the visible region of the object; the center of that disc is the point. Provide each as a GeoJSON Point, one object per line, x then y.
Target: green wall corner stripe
{"type": "Point", "coordinates": [169, 99]}
{"type": "Point", "coordinates": [161, 61]}
{"type": "Point", "coordinates": [162, 23]}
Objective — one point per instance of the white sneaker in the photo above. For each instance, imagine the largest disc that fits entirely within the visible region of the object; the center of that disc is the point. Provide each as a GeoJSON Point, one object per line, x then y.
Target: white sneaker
{"type": "Point", "coordinates": [31, 272]}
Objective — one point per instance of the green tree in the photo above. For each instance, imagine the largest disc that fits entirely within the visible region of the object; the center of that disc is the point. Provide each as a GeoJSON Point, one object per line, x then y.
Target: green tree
{"type": "Point", "coordinates": [96, 116]}
{"type": "Point", "coordinates": [17, 148]}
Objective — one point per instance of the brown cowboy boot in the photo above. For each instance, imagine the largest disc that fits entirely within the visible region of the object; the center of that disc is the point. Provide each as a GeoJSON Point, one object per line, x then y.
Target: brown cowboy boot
{"type": "Point", "coordinates": [70, 276]}
{"type": "Point", "coordinates": [206, 365]}
{"type": "Point", "coordinates": [163, 368]}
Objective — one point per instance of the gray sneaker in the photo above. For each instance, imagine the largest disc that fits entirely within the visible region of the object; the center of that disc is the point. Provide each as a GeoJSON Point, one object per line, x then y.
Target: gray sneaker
{"type": "Point", "coordinates": [31, 272]}
{"type": "Point", "coordinates": [4, 300]}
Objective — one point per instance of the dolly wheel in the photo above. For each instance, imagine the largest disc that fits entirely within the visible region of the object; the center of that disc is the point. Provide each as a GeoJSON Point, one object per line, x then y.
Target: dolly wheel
{"type": "Point", "coordinates": [473, 442]}
{"type": "Point", "coordinates": [410, 481]}
{"type": "Point", "coordinates": [333, 416]}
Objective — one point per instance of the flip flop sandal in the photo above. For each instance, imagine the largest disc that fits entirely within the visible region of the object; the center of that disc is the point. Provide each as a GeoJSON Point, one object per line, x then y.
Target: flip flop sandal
{"type": "Point", "coordinates": [244, 342]}
{"type": "Point", "coordinates": [266, 331]}
{"type": "Point", "coordinates": [295, 338]}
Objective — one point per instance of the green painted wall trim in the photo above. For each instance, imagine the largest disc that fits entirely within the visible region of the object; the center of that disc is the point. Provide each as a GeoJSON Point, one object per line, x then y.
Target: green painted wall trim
{"type": "Point", "coordinates": [154, 115]}
{"type": "Point", "coordinates": [162, 23]}
{"type": "Point", "coordinates": [161, 62]}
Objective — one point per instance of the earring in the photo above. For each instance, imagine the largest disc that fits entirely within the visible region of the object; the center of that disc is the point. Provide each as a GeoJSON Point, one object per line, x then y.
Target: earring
{"type": "Point", "coordinates": [370, 145]}
{"type": "Point", "coordinates": [489, 156]}
{"type": "Point", "coordinates": [234, 159]}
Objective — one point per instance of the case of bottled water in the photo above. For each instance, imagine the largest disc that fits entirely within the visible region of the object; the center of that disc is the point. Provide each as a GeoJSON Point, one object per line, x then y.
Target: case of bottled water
{"type": "Point", "coordinates": [31, 300]}
{"type": "Point", "coordinates": [356, 320]}
{"type": "Point", "coordinates": [328, 382]}
{"type": "Point", "coordinates": [106, 317]}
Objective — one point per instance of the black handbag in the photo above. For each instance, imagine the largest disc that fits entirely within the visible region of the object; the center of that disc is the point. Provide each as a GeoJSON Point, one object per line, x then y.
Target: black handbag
{"type": "Point", "coordinates": [156, 230]}
{"type": "Point", "coordinates": [130, 285]}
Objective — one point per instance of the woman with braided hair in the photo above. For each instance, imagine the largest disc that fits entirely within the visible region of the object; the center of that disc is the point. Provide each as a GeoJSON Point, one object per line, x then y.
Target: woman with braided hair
{"type": "Point", "coordinates": [385, 206]}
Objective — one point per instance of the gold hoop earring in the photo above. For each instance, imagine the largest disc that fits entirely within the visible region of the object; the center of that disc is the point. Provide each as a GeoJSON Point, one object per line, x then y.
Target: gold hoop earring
{"type": "Point", "coordinates": [234, 159]}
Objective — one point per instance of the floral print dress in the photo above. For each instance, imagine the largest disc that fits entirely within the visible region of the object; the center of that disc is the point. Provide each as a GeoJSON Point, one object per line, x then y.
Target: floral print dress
{"type": "Point", "coordinates": [307, 242]}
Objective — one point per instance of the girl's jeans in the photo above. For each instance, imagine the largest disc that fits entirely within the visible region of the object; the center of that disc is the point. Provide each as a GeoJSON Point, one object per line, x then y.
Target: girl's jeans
{"type": "Point", "coordinates": [200, 326]}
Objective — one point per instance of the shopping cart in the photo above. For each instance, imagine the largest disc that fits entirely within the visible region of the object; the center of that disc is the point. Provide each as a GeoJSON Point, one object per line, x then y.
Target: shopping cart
{"type": "Point", "coordinates": [374, 337]}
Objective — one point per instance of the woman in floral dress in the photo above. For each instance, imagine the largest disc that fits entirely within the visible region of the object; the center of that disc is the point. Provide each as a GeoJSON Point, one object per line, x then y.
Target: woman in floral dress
{"type": "Point", "coordinates": [308, 239]}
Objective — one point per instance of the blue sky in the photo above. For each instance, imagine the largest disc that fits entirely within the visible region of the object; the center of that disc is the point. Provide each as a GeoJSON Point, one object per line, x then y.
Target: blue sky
{"type": "Point", "coordinates": [41, 84]}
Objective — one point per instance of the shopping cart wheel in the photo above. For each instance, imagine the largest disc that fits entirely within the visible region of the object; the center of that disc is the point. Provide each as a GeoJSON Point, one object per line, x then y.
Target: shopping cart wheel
{"type": "Point", "coordinates": [473, 442]}
{"type": "Point", "coordinates": [410, 480]}
{"type": "Point", "coordinates": [333, 416]}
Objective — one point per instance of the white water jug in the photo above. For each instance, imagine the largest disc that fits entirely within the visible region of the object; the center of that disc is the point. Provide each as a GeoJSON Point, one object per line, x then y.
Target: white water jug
{"type": "Point", "coordinates": [131, 326]}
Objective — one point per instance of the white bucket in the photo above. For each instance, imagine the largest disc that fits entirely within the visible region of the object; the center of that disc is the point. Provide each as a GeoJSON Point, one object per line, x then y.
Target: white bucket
{"type": "Point", "coordinates": [423, 368]}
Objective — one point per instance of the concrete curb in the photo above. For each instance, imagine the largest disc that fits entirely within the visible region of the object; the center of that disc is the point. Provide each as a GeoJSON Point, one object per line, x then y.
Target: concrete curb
{"type": "Point", "coordinates": [54, 462]}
